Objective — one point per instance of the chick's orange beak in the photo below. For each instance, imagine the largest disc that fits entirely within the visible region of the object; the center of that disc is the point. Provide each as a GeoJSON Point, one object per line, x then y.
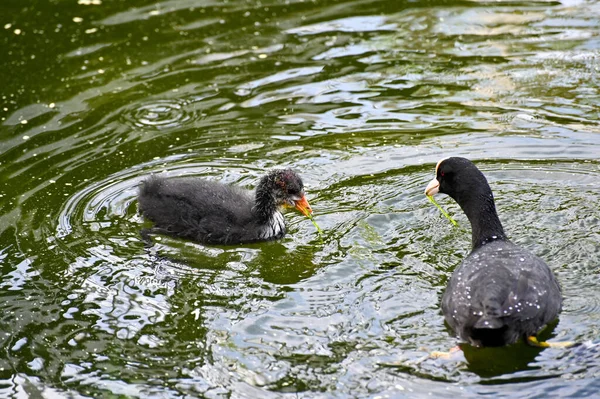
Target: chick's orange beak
{"type": "Point", "coordinates": [303, 206]}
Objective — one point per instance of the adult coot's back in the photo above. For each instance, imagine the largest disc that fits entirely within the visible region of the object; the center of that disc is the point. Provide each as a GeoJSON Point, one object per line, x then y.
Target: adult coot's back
{"type": "Point", "coordinates": [501, 292]}
{"type": "Point", "coordinates": [215, 213]}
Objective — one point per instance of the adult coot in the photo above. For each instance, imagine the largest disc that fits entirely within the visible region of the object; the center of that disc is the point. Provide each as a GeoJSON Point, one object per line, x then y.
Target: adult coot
{"type": "Point", "coordinates": [501, 292]}
{"type": "Point", "coordinates": [215, 213]}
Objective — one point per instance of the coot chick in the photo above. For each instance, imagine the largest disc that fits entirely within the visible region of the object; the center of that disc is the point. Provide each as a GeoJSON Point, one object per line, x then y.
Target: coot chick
{"type": "Point", "coordinates": [501, 292]}
{"type": "Point", "coordinates": [215, 213]}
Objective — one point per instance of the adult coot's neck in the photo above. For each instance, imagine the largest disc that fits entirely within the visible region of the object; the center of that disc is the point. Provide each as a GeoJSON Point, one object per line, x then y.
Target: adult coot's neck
{"type": "Point", "coordinates": [478, 204]}
{"type": "Point", "coordinates": [480, 208]}
{"type": "Point", "coordinates": [265, 203]}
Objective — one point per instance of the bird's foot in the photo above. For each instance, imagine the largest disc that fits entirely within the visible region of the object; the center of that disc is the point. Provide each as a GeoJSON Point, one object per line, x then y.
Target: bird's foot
{"type": "Point", "coordinates": [533, 341]}
{"type": "Point", "coordinates": [444, 355]}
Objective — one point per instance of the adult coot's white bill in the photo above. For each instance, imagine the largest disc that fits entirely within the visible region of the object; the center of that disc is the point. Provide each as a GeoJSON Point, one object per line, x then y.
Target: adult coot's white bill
{"type": "Point", "coordinates": [501, 292]}
{"type": "Point", "coordinates": [215, 213]}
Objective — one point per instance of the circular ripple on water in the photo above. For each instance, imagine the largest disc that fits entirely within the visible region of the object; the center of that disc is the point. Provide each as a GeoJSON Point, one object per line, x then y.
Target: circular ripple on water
{"type": "Point", "coordinates": [159, 114]}
{"type": "Point", "coordinates": [99, 204]}
{"type": "Point", "coordinates": [111, 203]}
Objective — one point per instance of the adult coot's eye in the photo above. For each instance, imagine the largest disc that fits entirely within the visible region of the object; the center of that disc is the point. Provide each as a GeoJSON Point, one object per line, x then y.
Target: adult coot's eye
{"type": "Point", "coordinates": [442, 174]}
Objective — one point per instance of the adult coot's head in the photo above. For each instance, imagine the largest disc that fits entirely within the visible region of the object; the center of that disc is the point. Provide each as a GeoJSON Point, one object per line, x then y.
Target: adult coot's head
{"type": "Point", "coordinates": [459, 178]}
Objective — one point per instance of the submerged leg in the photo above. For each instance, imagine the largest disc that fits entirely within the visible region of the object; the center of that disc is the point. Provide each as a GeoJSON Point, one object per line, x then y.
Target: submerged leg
{"type": "Point", "coordinates": [147, 233]}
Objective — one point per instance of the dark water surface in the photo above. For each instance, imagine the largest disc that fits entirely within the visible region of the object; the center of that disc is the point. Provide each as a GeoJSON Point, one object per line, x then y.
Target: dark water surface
{"type": "Point", "coordinates": [363, 98]}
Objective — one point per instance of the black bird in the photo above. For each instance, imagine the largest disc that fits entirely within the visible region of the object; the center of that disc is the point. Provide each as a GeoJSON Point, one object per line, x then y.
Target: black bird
{"type": "Point", "coordinates": [501, 292]}
{"type": "Point", "coordinates": [215, 213]}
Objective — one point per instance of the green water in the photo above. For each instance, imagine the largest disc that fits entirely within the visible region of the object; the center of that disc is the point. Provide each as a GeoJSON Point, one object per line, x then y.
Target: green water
{"type": "Point", "coordinates": [362, 98]}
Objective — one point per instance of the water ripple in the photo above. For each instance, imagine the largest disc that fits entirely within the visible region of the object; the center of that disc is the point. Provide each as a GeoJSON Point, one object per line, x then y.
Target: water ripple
{"type": "Point", "coordinates": [159, 115]}
{"type": "Point", "coordinates": [363, 98]}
